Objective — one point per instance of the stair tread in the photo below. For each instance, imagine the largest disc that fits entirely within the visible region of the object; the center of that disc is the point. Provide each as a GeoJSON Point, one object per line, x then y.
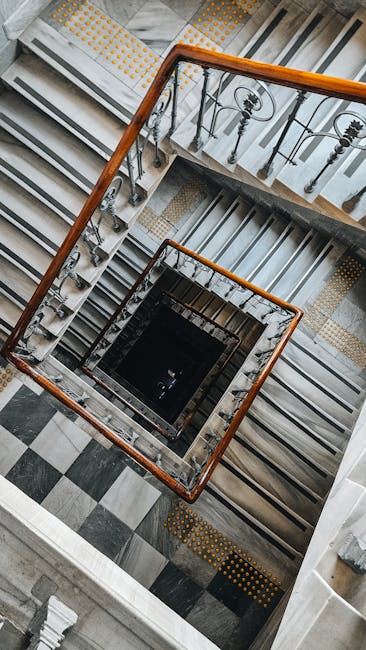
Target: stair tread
{"type": "Point", "coordinates": [295, 497]}
{"type": "Point", "coordinates": [71, 61]}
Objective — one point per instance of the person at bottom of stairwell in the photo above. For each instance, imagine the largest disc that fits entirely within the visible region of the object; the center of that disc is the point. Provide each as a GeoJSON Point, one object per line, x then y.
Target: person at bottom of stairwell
{"type": "Point", "coordinates": [167, 382]}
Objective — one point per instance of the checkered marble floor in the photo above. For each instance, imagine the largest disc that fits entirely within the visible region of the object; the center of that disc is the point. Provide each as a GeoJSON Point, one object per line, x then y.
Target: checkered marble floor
{"type": "Point", "coordinates": [54, 457]}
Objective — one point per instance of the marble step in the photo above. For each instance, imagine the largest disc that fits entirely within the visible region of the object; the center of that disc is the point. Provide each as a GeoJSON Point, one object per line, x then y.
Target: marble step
{"type": "Point", "coordinates": [286, 489]}
{"type": "Point", "coordinates": [287, 459]}
{"type": "Point", "coordinates": [50, 141]}
{"type": "Point", "coordinates": [66, 104]}
{"type": "Point", "coordinates": [346, 182]}
{"type": "Point", "coordinates": [306, 355]}
{"type": "Point", "coordinates": [45, 227]}
{"type": "Point", "coordinates": [306, 412]}
{"type": "Point", "coordinates": [274, 259]}
{"type": "Point", "coordinates": [263, 508]}
{"type": "Point", "coordinates": [214, 215]}
{"type": "Point", "coordinates": [79, 68]}
{"type": "Point", "coordinates": [275, 502]}
{"type": "Point", "coordinates": [21, 247]}
{"type": "Point", "coordinates": [41, 180]}
{"type": "Point", "coordinates": [311, 389]}
{"type": "Point", "coordinates": [303, 50]}
{"type": "Point", "coordinates": [21, 285]}
{"type": "Point", "coordinates": [343, 58]}
{"type": "Point", "coordinates": [9, 312]}
{"type": "Point", "coordinates": [299, 266]}
{"type": "Point", "coordinates": [301, 436]}
{"type": "Point", "coordinates": [254, 253]}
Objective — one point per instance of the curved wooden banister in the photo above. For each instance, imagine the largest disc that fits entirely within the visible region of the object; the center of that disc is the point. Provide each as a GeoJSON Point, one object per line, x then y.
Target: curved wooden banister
{"type": "Point", "coordinates": [299, 79]}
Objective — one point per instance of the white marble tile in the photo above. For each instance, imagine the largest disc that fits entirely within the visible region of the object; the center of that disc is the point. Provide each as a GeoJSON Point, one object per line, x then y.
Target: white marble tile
{"type": "Point", "coordinates": [156, 33]}
{"type": "Point", "coordinates": [130, 498]}
{"type": "Point", "coordinates": [11, 450]}
{"type": "Point", "coordinates": [60, 442]}
{"type": "Point", "coordinates": [69, 503]}
{"type": "Point", "coordinates": [141, 561]}
{"type": "Point", "coordinates": [19, 14]}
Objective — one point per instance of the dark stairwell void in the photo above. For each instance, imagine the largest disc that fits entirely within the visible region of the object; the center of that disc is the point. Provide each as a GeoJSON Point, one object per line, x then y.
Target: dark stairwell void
{"type": "Point", "coordinates": [171, 364]}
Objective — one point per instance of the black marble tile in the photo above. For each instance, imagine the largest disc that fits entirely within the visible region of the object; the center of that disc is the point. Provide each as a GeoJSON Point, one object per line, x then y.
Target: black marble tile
{"type": "Point", "coordinates": [152, 529]}
{"type": "Point", "coordinates": [105, 531]}
{"type": "Point", "coordinates": [26, 414]}
{"type": "Point", "coordinates": [176, 590]}
{"type": "Point", "coordinates": [33, 475]}
{"type": "Point", "coordinates": [216, 622]}
{"type": "Point", "coordinates": [96, 468]}
{"type": "Point", "coordinates": [253, 611]}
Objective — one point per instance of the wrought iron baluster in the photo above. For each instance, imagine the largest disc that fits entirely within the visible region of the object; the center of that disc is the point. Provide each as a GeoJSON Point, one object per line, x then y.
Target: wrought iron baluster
{"type": "Point", "coordinates": [253, 102]}
{"type": "Point", "coordinates": [173, 117]}
{"type": "Point", "coordinates": [345, 140]}
{"type": "Point", "coordinates": [197, 140]}
{"type": "Point", "coordinates": [267, 167]}
{"type": "Point", "coordinates": [134, 196]}
{"type": "Point", "coordinates": [108, 202]}
{"type": "Point", "coordinates": [89, 232]}
{"type": "Point", "coordinates": [68, 271]}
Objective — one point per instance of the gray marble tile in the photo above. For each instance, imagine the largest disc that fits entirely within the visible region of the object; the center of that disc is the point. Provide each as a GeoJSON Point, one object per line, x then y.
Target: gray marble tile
{"type": "Point", "coordinates": [33, 475]}
{"type": "Point", "coordinates": [130, 498]}
{"type": "Point", "coordinates": [69, 503]}
{"type": "Point", "coordinates": [141, 561]}
{"type": "Point", "coordinates": [176, 590]}
{"type": "Point", "coordinates": [152, 528]}
{"type": "Point", "coordinates": [193, 565]}
{"type": "Point", "coordinates": [351, 317]}
{"type": "Point", "coordinates": [60, 442]}
{"type": "Point", "coordinates": [96, 469]}
{"type": "Point", "coordinates": [120, 11]}
{"type": "Point", "coordinates": [156, 25]}
{"type": "Point", "coordinates": [217, 622]}
{"type": "Point", "coordinates": [104, 531]}
{"type": "Point", "coordinates": [9, 391]}
{"type": "Point", "coordinates": [184, 9]}
{"type": "Point", "coordinates": [11, 450]}
{"type": "Point", "coordinates": [220, 21]}
{"type": "Point", "coordinates": [26, 414]}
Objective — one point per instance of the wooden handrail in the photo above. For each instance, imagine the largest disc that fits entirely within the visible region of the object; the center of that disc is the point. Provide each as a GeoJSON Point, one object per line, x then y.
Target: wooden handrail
{"type": "Point", "coordinates": [299, 79]}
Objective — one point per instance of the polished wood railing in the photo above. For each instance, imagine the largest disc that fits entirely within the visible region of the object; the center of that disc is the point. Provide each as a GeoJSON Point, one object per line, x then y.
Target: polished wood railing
{"type": "Point", "coordinates": [297, 79]}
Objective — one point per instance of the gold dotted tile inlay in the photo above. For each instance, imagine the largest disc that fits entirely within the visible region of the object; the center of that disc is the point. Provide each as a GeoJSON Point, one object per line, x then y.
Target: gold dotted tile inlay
{"type": "Point", "coordinates": [333, 292]}
{"type": "Point", "coordinates": [7, 375]}
{"type": "Point", "coordinates": [213, 547]}
{"type": "Point", "coordinates": [188, 194]}
{"type": "Point", "coordinates": [218, 19]}
{"type": "Point", "coordinates": [351, 346]}
{"type": "Point", "coordinates": [106, 40]}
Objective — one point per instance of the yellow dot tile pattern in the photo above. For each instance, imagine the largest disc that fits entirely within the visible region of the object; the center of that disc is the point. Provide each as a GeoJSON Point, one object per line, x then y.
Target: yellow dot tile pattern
{"type": "Point", "coordinates": [6, 376]}
{"type": "Point", "coordinates": [167, 224]}
{"type": "Point", "coordinates": [188, 195]}
{"type": "Point", "coordinates": [218, 20]}
{"type": "Point", "coordinates": [318, 314]}
{"type": "Point", "coordinates": [351, 346]}
{"type": "Point", "coordinates": [106, 41]}
{"type": "Point", "coordinates": [213, 547]}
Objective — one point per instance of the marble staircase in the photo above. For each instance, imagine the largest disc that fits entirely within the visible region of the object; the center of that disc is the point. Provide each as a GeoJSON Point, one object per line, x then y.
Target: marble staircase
{"type": "Point", "coordinates": [61, 115]}
{"type": "Point", "coordinates": [58, 128]}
